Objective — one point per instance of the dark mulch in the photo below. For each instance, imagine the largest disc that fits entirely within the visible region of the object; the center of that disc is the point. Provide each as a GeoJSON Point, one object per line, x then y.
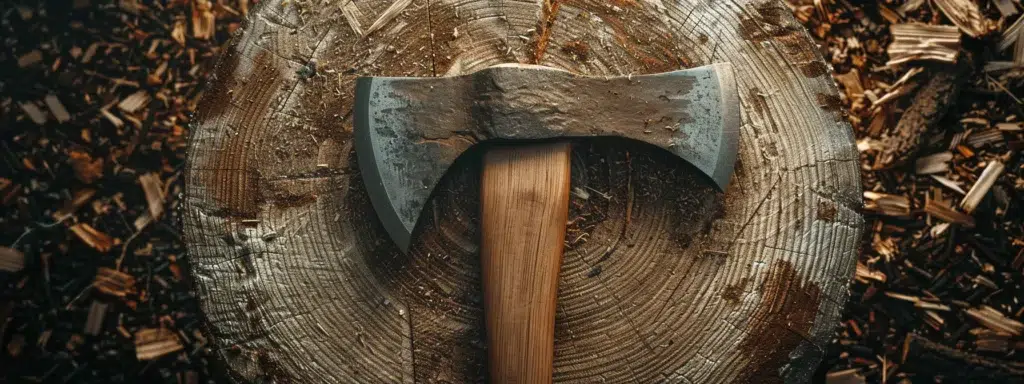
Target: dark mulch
{"type": "Point", "coordinates": [93, 282]}
{"type": "Point", "coordinates": [73, 202]}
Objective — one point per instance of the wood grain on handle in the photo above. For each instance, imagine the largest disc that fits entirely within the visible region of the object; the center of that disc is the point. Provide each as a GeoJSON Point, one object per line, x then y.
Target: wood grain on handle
{"type": "Point", "coordinates": [524, 206]}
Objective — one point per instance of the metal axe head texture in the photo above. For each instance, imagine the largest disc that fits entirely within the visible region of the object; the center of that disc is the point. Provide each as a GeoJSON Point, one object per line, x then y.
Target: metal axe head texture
{"type": "Point", "coordinates": [409, 130]}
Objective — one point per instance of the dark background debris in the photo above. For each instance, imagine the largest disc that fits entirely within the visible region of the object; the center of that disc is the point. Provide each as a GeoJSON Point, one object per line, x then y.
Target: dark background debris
{"type": "Point", "coordinates": [96, 99]}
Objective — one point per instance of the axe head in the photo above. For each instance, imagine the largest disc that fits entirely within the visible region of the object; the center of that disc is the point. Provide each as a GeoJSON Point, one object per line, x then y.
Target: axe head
{"type": "Point", "coordinates": [408, 130]}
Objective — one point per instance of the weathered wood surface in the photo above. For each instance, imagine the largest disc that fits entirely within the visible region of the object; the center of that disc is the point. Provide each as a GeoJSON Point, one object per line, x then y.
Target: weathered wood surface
{"type": "Point", "coordinates": [663, 280]}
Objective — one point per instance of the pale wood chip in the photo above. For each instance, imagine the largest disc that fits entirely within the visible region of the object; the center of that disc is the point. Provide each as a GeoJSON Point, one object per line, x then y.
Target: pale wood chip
{"type": "Point", "coordinates": [153, 188]}
{"type": "Point", "coordinates": [851, 84]}
{"type": "Point", "coordinates": [389, 14]}
{"type": "Point", "coordinates": [863, 272]}
{"type": "Point", "coordinates": [92, 237]}
{"type": "Point", "coordinates": [153, 343]}
{"type": "Point", "coordinates": [203, 20]}
{"type": "Point", "coordinates": [34, 113]}
{"type": "Point", "coordinates": [90, 52]}
{"type": "Point", "coordinates": [11, 260]}
{"type": "Point", "coordinates": [350, 10]}
{"type": "Point", "coordinates": [985, 137]}
{"type": "Point", "coordinates": [1006, 7]}
{"type": "Point", "coordinates": [886, 204]}
{"type": "Point", "coordinates": [846, 376]}
{"type": "Point", "coordinates": [94, 323]}
{"type": "Point", "coordinates": [113, 282]}
{"type": "Point", "coordinates": [133, 102]}
{"type": "Point", "coordinates": [966, 15]}
{"type": "Point", "coordinates": [113, 119]}
{"type": "Point", "coordinates": [899, 296]}
{"type": "Point", "coordinates": [1009, 127]}
{"type": "Point", "coordinates": [178, 32]}
{"type": "Point", "coordinates": [915, 41]}
{"type": "Point", "coordinates": [995, 320]}
{"type": "Point", "coordinates": [932, 306]}
{"type": "Point", "coordinates": [57, 108]}
{"type": "Point", "coordinates": [981, 187]}
{"type": "Point", "coordinates": [949, 184]}
{"type": "Point", "coordinates": [936, 163]}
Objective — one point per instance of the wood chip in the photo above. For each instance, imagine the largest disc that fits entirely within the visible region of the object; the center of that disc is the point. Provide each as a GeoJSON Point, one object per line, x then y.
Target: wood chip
{"type": "Point", "coordinates": [57, 108]}
{"type": "Point", "coordinates": [11, 260]}
{"type": "Point", "coordinates": [34, 113]}
{"type": "Point", "coordinates": [113, 282]}
{"type": "Point", "coordinates": [846, 376]}
{"type": "Point", "coordinates": [203, 20]}
{"type": "Point", "coordinates": [152, 343]}
{"type": "Point", "coordinates": [94, 322]}
{"type": "Point", "coordinates": [863, 272]}
{"type": "Point", "coordinates": [985, 137]}
{"type": "Point", "coordinates": [995, 320]}
{"type": "Point", "coordinates": [966, 15]}
{"type": "Point", "coordinates": [30, 58]}
{"type": "Point", "coordinates": [87, 169]}
{"type": "Point", "coordinates": [944, 212]}
{"type": "Point", "coordinates": [92, 237]}
{"type": "Point", "coordinates": [113, 119]}
{"type": "Point", "coordinates": [886, 204]}
{"type": "Point", "coordinates": [851, 84]}
{"type": "Point", "coordinates": [389, 14]}
{"type": "Point", "coordinates": [949, 184]}
{"type": "Point", "coordinates": [980, 189]}
{"type": "Point", "coordinates": [1006, 7]}
{"type": "Point", "coordinates": [936, 163]}
{"type": "Point", "coordinates": [153, 188]}
{"type": "Point", "coordinates": [133, 102]}
{"type": "Point", "coordinates": [914, 41]}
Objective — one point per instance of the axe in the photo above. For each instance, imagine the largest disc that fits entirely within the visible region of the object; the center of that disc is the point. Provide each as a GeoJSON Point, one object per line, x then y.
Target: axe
{"type": "Point", "coordinates": [408, 131]}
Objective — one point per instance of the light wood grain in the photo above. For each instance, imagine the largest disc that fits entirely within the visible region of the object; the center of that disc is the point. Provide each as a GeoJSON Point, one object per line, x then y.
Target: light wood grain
{"type": "Point", "coordinates": [663, 280]}
{"type": "Point", "coordinates": [524, 203]}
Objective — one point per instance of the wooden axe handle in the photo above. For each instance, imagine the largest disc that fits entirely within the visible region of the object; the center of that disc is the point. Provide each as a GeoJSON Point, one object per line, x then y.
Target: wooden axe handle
{"type": "Point", "coordinates": [524, 203]}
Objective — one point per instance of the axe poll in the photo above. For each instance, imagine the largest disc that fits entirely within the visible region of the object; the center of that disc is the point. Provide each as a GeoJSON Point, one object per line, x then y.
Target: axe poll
{"type": "Point", "coordinates": [408, 131]}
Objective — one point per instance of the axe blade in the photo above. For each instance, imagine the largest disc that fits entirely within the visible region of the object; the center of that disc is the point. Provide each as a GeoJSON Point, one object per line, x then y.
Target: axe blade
{"type": "Point", "coordinates": [408, 130]}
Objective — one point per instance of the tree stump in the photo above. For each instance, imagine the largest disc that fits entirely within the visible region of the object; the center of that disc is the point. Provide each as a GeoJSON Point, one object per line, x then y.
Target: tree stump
{"type": "Point", "coordinates": [664, 279]}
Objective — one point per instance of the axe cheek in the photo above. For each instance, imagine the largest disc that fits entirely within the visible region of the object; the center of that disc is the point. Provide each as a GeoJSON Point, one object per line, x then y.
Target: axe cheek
{"type": "Point", "coordinates": [408, 131]}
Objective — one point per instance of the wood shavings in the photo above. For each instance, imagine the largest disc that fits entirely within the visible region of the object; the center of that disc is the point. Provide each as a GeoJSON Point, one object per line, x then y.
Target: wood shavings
{"type": "Point", "coordinates": [34, 113]}
{"type": "Point", "coordinates": [949, 184]}
{"type": "Point", "coordinates": [389, 14]}
{"type": "Point", "coordinates": [966, 15]}
{"type": "Point", "coordinates": [936, 163]}
{"type": "Point", "coordinates": [92, 237]}
{"type": "Point", "coordinates": [153, 343]}
{"type": "Point", "coordinates": [113, 282]}
{"type": "Point", "coordinates": [133, 103]}
{"type": "Point", "coordinates": [886, 204]}
{"type": "Point", "coordinates": [995, 320]}
{"type": "Point", "coordinates": [915, 41]}
{"type": "Point", "coordinates": [982, 186]}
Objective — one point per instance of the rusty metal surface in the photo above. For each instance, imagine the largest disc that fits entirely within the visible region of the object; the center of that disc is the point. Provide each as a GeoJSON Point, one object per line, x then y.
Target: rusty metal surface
{"type": "Point", "coordinates": [410, 130]}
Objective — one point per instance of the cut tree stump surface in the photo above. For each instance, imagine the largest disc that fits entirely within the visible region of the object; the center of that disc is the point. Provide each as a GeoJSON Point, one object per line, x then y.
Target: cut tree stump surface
{"type": "Point", "coordinates": [664, 279]}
